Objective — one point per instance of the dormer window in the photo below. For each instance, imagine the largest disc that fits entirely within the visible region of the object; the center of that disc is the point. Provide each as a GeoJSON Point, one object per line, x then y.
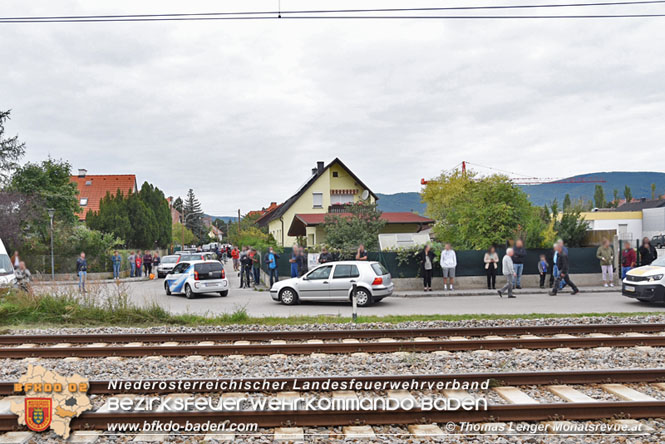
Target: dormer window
{"type": "Point", "coordinates": [88, 182]}
{"type": "Point", "coordinates": [83, 201]}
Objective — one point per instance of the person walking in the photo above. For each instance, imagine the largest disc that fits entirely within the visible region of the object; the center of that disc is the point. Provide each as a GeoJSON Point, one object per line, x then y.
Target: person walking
{"type": "Point", "coordinates": [138, 260]}
{"type": "Point", "coordinates": [426, 259]}
{"type": "Point", "coordinates": [448, 264]}
{"type": "Point", "coordinates": [564, 268]}
{"type": "Point", "coordinates": [491, 260]}
{"type": "Point", "coordinates": [292, 261]}
{"type": "Point", "coordinates": [605, 255]}
{"type": "Point", "coordinates": [271, 260]}
{"type": "Point", "coordinates": [301, 261]}
{"type": "Point", "coordinates": [508, 270]}
{"type": "Point", "coordinates": [519, 255]}
{"type": "Point", "coordinates": [628, 259]}
{"type": "Point", "coordinates": [82, 271]}
{"type": "Point", "coordinates": [361, 254]}
{"type": "Point", "coordinates": [16, 260]}
{"type": "Point", "coordinates": [648, 253]}
{"type": "Point", "coordinates": [147, 264]}
{"type": "Point", "coordinates": [256, 265]}
{"type": "Point", "coordinates": [116, 260]}
{"type": "Point", "coordinates": [132, 264]}
{"type": "Point", "coordinates": [542, 269]}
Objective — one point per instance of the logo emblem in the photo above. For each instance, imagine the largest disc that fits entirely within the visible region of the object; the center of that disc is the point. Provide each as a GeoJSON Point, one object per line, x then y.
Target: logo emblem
{"type": "Point", "coordinates": [38, 413]}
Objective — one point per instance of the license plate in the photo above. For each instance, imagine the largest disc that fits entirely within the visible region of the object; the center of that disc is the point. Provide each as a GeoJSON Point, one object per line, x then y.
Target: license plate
{"type": "Point", "coordinates": [212, 284]}
{"type": "Point", "coordinates": [628, 288]}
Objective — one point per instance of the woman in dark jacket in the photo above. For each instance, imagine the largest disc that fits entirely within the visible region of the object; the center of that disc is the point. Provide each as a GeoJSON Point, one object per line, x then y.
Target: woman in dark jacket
{"type": "Point", "coordinates": [426, 260]}
{"type": "Point", "coordinates": [647, 252]}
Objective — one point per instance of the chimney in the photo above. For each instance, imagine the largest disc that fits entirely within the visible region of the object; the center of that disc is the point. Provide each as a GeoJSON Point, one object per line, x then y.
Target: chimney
{"type": "Point", "coordinates": [82, 172]}
{"type": "Point", "coordinates": [319, 167]}
{"type": "Point", "coordinates": [313, 171]}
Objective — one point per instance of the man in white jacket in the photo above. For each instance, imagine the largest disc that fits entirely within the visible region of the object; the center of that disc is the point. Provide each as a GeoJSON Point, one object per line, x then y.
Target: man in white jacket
{"type": "Point", "coordinates": [448, 264]}
{"type": "Point", "coordinates": [508, 270]}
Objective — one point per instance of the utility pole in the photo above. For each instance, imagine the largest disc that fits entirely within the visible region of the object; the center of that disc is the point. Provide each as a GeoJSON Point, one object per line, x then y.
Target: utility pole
{"type": "Point", "coordinates": [51, 213]}
{"type": "Point", "coordinates": [238, 222]}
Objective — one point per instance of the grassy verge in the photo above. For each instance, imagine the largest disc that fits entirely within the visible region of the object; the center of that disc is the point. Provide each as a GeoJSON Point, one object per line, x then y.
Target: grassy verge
{"type": "Point", "coordinates": [19, 310]}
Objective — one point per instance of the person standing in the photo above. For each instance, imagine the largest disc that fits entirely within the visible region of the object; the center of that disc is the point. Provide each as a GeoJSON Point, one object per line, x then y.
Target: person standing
{"type": "Point", "coordinates": [132, 264]}
{"type": "Point", "coordinates": [292, 261]}
{"type": "Point", "coordinates": [448, 264]}
{"type": "Point", "coordinates": [271, 260]}
{"type": "Point", "coordinates": [301, 261]}
{"type": "Point", "coordinates": [156, 260]}
{"type": "Point", "coordinates": [116, 260]}
{"type": "Point", "coordinates": [138, 260]}
{"type": "Point", "coordinates": [256, 266]}
{"type": "Point", "coordinates": [82, 271]}
{"type": "Point", "coordinates": [426, 260]}
{"type": "Point", "coordinates": [648, 253]}
{"type": "Point", "coordinates": [361, 254]}
{"type": "Point", "coordinates": [491, 260]}
{"type": "Point", "coordinates": [564, 267]}
{"type": "Point", "coordinates": [542, 269]}
{"type": "Point", "coordinates": [519, 255]}
{"type": "Point", "coordinates": [16, 260]}
{"type": "Point", "coordinates": [628, 259]}
{"type": "Point", "coordinates": [508, 270]}
{"type": "Point", "coordinates": [325, 256]}
{"type": "Point", "coordinates": [605, 255]}
{"type": "Point", "coordinates": [245, 268]}
{"type": "Point", "coordinates": [235, 255]}
{"type": "Point", "coordinates": [147, 264]}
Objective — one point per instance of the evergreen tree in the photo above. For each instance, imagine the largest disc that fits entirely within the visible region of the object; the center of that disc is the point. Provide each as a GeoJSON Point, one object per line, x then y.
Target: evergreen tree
{"type": "Point", "coordinates": [599, 197]}
{"type": "Point", "coordinates": [193, 215]}
{"type": "Point", "coordinates": [177, 205]}
{"type": "Point", "coordinates": [615, 202]}
{"type": "Point", "coordinates": [566, 202]}
{"type": "Point", "coordinates": [653, 191]}
{"type": "Point", "coordinates": [627, 194]}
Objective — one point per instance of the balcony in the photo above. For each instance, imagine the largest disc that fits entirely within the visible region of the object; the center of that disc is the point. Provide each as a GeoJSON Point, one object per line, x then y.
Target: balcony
{"type": "Point", "coordinates": [338, 208]}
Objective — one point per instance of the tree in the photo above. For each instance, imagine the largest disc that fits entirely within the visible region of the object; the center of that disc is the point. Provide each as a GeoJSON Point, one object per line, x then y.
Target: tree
{"type": "Point", "coordinates": [566, 202]}
{"type": "Point", "coordinates": [599, 197]}
{"type": "Point", "coordinates": [11, 150]}
{"type": "Point", "coordinates": [627, 194]}
{"type": "Point", "coordinates": [180, 234]}
{"type": "Point", "coordinates": [177, 205]}
{"type": "Point", "coordinates": [49, 183]}
{"type": "Point", "coordinates": [653, 191]}
{"type": "Point", "coordinates": [222, 225]}
{"type": "Point", "coordinates": [571, 227]}
{"type": "Point", "coordinates": [193, 215]}
{"type": "Point", "coordinates": [615, 201]}
{"type": "Point", "coordinates": [17, 210]}
{"type": "Point", "coordinates": [361, 225]}
{"type": "Point", "coordinates": [555, 208]}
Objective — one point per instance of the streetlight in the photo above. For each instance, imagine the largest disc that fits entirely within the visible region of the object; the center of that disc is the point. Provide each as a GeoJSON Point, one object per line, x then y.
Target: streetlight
{"type": "Point", "coordinates": [51, 212]}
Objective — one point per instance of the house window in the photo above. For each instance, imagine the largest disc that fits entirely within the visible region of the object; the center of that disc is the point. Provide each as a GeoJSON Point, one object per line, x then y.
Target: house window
{"type": "Point", "coordinates": [335, 174]}
{"type": "Point", "coordinates": [317, 200]}
{"type": "Point", "coordinates": [341, 199]}
{"type": "Point", "coordinates": [88, 182]}
{"type": "Point", "coordinates": [83, 201]}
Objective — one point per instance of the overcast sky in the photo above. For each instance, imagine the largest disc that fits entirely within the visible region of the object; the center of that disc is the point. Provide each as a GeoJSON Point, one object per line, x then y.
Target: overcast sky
{"type": "Point", "coordinates": [241, 111]}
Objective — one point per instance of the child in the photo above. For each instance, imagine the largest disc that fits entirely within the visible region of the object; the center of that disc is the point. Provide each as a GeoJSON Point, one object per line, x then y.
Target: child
{"type": "Point", "coordinates": [542, 270]}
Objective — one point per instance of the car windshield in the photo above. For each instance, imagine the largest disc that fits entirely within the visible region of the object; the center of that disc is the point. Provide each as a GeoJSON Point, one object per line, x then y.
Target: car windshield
{"type": "Point", "coordinates": [5, 265]}
{"type": "Point", "coordinates": [660, 262]}
{"type": "Point", "coordinates": [169, 259]}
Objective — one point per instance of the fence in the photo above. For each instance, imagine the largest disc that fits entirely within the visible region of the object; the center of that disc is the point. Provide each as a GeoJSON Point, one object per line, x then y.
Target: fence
{"type": "Point", "coordinates": [67, 263]}
{"type": "Point", "coordinates": [469, 262]}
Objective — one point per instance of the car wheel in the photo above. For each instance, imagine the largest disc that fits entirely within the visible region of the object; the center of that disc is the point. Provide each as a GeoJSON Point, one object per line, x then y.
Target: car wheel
{"type": "Point", "coordinates": [188, 292]}
{"type": "Point", "coordinates": [167, 288]}
{"type": "Point", "coordinates": [363, 298]}
{"type": "Point", "coordinates": [224, 293]}
{"type": "Point", "coordinates": [288, 297]}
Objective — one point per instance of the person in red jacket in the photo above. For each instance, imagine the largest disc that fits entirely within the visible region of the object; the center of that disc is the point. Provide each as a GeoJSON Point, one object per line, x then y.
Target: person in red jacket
{"type": "Point", "coordinates": [628, 259]}
{"type": "Point", "coordinates": [138, 261]}
{"type": "Point", "coordinates": [235, 255]}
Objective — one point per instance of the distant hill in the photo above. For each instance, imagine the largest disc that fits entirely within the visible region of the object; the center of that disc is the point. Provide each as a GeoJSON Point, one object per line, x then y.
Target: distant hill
{"type": "Point", "coordinates": [224, 218]}
{"type": "Point", "coordinates": [639, 183]}
{"type": "Point", "coordinates": [401, 202]}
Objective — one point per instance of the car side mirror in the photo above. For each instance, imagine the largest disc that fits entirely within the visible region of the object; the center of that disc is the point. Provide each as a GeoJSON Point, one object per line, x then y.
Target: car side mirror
{"type": "Point", "coordinates": [304, 278]}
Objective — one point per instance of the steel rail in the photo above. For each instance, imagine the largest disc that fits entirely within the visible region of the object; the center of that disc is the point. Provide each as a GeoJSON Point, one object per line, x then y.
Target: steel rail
{"type": "Point", "coordinates": [331, 347]}
{"type": "Point", "coordinates": [494, 413]}
{"type": "Point", "coordinates": [9, 339]}
{"type": "Point", "coordinates": [145, 386]}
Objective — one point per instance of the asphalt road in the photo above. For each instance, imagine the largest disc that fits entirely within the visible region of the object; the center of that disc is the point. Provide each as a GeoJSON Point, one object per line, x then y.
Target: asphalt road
{"type": "Point", "coordinates": [259, 303]}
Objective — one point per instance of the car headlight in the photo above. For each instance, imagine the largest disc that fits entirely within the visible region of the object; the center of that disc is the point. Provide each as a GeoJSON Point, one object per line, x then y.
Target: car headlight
{"type": "Point", "coordinates": [656, 277]}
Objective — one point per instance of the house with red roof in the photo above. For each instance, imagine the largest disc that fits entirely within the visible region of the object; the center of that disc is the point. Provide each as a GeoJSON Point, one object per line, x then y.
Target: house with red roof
{"type": "Point", "coordinates": [329, 190]}
{"type": "Point", "coordinates": [93, 187]}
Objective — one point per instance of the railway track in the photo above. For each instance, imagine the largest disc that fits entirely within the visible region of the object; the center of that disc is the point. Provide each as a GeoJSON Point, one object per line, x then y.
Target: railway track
{"type": "Point", "coordinates": [331, 342]}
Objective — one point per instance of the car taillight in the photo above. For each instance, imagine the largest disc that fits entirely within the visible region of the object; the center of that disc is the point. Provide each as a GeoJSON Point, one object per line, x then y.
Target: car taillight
{"type": "Point", "coordinates": [196, 275]}
{"type": "Point", "coordinates": [223, 273]}
{"type": "Point", "coordinates": [377, 281]}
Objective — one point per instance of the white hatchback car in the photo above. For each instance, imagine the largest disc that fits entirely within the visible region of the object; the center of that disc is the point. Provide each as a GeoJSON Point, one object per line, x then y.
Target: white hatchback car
{"type": "Point", "coordinates": [193, 277]}
{"type": "Point", "coordinates": [334, 281]}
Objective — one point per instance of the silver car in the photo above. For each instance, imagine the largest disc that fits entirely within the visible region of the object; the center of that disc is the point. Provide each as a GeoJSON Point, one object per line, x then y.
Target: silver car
{"type": "Point", "coordinates": [334, 282]}
{"type": "Point", "coordinates": [166, 264]}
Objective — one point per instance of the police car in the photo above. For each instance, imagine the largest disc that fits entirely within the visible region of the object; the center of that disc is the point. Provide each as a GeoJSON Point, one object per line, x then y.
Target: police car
{"type": "Point", "coordinates": [194, 277]}
{"type": "Point", "coordinates": [646, 283]}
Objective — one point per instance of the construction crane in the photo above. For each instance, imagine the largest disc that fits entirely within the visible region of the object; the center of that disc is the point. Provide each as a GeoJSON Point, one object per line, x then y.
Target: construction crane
{"type": "Point", "coordinates": [521, 180]}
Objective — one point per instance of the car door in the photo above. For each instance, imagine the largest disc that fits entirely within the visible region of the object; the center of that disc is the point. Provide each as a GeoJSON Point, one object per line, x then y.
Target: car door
{"type": "Point", "coordinates": [177, 277]}
{"type": "Point", "coordinates": [344, 276]}
{"type": "Point", "coordinates": [316, 283]}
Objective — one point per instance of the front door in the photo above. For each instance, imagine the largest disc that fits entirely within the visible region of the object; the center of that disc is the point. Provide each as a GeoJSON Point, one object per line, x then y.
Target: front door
{"type": "Point", "coordinates": [316, 283]}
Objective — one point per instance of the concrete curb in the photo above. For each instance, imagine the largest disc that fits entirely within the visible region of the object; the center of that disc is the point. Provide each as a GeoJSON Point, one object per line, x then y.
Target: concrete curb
{"type": "Point", "coordinates": [484, 292]}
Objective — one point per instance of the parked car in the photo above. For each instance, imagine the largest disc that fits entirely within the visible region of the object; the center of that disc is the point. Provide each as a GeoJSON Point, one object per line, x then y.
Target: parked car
{"type": "Point", "coordinates": [7, 275]}
{"type": "Point", "coordinates": [200, 256]}
{"type": "Point", "coordinates": [646, 283]}
{"type": "Point", "coordinates": [194, 277]}
{"type": "Point", "coordinates": [334, 282]}
{"type": "Point", "coordinates": [658, 241]}
{"type": "Point", "coordinates": [166, 264]}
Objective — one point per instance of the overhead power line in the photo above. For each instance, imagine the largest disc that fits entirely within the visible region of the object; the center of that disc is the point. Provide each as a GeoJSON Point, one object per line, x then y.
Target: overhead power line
{"type": "Point", "coordinates": [386, 13]}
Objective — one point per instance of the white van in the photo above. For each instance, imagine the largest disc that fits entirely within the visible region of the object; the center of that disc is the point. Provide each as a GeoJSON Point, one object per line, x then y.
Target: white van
{"type": "Point", "coordinates": [7, 276]}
